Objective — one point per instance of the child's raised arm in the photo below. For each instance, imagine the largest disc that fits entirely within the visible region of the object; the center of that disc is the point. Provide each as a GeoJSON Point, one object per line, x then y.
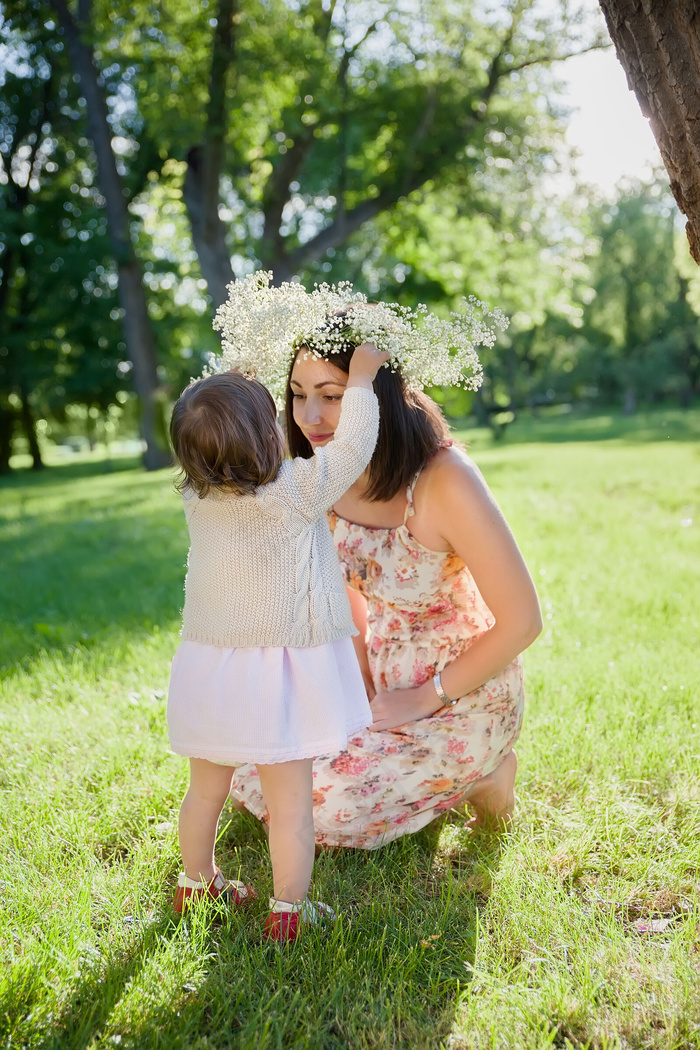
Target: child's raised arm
{"type": "Point", "coordinates": [313, 485]}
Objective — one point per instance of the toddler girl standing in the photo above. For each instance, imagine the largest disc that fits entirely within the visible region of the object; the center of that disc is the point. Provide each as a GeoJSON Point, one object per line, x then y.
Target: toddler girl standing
{"type": "Point", "coordinates": [266, 671]}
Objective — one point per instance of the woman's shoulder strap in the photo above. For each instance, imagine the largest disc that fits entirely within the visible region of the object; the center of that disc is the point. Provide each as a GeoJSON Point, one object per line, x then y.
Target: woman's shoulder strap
{"type": "Point", "coordinates": [410, 508]}
{"type": "Point", "coordinates": [410, 503]}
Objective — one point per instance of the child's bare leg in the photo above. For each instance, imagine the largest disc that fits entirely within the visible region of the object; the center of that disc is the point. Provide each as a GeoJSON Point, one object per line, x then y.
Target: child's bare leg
{"type": "Point", "coordinates": [199, 817]}
{"type": "Point", "coordinates": [287, 790]}
{"type": "Point", "coordinates": [493, 797]}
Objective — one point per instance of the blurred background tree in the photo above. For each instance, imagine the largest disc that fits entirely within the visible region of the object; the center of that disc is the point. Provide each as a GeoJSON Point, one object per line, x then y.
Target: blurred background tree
{"type": "Point", "coordinates": [411, 149]}
{"type": "Point", "coordinates": [60, 344]}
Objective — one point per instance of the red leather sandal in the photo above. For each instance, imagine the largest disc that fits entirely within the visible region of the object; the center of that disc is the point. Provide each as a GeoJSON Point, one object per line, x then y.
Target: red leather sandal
{"type": "Point", "coordinates": [286, 921]}
{"type": "Point", "coordinates": [229, 891]}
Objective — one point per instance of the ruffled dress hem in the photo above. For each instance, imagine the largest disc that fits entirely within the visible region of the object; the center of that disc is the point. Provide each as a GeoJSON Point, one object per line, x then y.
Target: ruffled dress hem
{"type": "Point", "coordinates": [264, 704]}
{"type": "Point", "coordinates": [242, 758]}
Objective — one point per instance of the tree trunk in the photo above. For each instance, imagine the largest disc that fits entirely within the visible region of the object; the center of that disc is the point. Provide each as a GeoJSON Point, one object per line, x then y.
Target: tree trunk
{"type": "Point", "coordinates": [205, 163]}
{"type": "Point", "coordinates": [690, 350]}
{"type": "Point", "coordinates": [209, 237]}
{"type": "Point", "coordinates": [90, 430]}
{"type": "Point", "coordinates": [7, 426]}
{"type": "Point", "coordinates": [512, 374]}
{"type": "Point", "coordinates": [29, 426]}
{"type": "Point", "coordinates": [480, 409]}
{"type": "Point", "coordinates": [138, 333]}
{"type": "Point", "coordinates": [658, 45]}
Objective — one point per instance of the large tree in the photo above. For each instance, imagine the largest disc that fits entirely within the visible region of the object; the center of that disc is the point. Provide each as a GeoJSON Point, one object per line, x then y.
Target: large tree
{"type": "Point", "coordinates": [300, 124]}
{"type": "Point", "coordinates": [371, 104]}
{"type": "Point", "coordinates": [658, 45]}
{"type": "Point", "coordinates": [57, 301]}
{"type": "Point", "coordinates": [76, 22]}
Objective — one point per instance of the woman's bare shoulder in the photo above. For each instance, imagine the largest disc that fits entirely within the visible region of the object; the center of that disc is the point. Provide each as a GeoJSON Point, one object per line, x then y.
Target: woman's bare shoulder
{"type": "Point", "coordinates": [452, 472]}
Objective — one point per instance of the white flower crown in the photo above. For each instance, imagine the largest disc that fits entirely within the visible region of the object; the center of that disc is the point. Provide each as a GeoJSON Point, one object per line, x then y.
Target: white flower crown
{"type": "Point", "coordinates": [263, 326]}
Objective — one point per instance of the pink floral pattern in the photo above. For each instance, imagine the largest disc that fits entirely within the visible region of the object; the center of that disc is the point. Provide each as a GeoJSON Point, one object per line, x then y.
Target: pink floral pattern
{"type": "Point", "coordinates": [424, 609]}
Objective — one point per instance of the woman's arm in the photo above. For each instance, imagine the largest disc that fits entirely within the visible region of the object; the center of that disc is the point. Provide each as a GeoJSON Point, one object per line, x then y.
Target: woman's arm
{"type": "Point", "coordinates": [471, 523]}
{"type": "Point", "coordinates": [358, 607]}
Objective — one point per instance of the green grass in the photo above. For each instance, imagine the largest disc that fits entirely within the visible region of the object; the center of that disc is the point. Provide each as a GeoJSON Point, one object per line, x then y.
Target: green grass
{"type": "Point", "coordinates": [445, 941]}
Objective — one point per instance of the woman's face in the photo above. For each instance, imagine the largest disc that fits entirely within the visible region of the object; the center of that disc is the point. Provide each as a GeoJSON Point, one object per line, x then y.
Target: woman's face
{"type": "Point", "coordinates": [317, 390]}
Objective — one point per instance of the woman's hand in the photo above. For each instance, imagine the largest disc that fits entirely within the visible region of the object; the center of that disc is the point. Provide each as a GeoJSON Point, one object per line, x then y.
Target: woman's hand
{"type": "Point", "coordinates": [400, 706]}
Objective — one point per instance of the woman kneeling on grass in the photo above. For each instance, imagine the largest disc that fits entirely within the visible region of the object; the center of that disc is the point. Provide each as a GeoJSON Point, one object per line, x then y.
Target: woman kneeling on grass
{"type": "Point", "coordinates": [442, 599]}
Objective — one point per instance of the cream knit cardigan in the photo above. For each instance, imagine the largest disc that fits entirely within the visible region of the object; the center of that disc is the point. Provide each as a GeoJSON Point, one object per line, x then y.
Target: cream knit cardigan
{"type": "Point", "coordinates": [262, 569]}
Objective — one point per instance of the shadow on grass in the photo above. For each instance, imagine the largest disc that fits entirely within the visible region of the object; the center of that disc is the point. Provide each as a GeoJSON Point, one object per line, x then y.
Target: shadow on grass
{"type": "Point", "coordinates": [106, 558]}
{"type": "Point", "coordinates": [86, 1008]}
{"type": "Point", "coordinates": [88, 573]}
{"type": "Point", "coordinates": [84, 1019]}
{"type": "Point", "coordinates": [25, 477]}
{"type": "Point", "coordinates": [387, 974]}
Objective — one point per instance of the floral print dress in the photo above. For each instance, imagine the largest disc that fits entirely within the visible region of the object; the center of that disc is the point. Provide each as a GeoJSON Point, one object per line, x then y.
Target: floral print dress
{"type": "Point", "coordinates": [424, 609]}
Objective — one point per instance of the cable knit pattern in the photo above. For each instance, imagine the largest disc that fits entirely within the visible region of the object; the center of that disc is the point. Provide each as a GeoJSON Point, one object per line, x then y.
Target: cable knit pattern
{"type": "Point", "coordinates": [262, 569]}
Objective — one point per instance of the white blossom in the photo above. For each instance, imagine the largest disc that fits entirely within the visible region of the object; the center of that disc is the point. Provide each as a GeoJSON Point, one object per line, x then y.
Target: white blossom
{"type": "Point", "coordinates": [263, 326]}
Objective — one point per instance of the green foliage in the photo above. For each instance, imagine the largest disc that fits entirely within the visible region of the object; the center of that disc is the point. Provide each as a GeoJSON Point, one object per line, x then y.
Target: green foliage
{"type": "Point", "coordinates": [333, 109]}
{"type": "Point", "coordinates": [631, 332]}
{"type": "Point", "coordinates": [62, 355]}
{"type": "Point", "coordinates": [60, 342]}
{"type": "Point", "coordinates": [437, 126]}
{"type": "Point", "coordinates": [445, 940]}
{"type": "Point", "coordinates": [634, 280]}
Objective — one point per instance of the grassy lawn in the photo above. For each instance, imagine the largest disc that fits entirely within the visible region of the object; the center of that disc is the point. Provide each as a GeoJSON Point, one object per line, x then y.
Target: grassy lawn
{"type": "Point", "coordinates": [580, 929]}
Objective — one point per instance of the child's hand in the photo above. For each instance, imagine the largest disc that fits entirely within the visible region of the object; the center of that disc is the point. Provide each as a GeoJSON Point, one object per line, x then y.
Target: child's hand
{"type": "Point", "coordinates": [365, 363]}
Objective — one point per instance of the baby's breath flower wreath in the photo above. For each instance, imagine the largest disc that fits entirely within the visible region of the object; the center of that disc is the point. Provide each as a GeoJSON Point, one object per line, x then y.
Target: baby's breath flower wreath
{"type": "Point", "coordinates": [263, 326]}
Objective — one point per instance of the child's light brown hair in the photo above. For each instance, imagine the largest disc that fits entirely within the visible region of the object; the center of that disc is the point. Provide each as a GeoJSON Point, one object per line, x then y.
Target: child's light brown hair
{"type": "Point", "coordinates": [224, 433]}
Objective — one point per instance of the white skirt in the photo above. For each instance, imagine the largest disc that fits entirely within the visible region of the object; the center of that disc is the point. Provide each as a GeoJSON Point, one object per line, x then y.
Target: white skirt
{"type": "Point", "coordinates": [266, 705]}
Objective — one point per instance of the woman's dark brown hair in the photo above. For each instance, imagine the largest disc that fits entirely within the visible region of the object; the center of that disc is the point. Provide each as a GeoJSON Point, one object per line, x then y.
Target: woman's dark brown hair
{"type": "Point", "coordinates": [411, 428]}
{"type": "Point", "coordinates": [224, 433]}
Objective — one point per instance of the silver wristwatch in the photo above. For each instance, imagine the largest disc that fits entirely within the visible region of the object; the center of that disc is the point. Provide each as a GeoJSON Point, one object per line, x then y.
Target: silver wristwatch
{"type": "Point", "coordinates": [446, 702]}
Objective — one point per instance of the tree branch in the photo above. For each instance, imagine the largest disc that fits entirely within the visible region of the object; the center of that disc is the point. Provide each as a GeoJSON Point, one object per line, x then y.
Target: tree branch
{"type": "Point", "coordinates": [351, 221]}
{"type": "Point", "coordinates": [544, 60]}
{"type": "Point", "coordinates": [276, 191]}
{"type": "Point", "coordinates": [410, 180]}
{"type": "Point", "coordinates": [349, 53]}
